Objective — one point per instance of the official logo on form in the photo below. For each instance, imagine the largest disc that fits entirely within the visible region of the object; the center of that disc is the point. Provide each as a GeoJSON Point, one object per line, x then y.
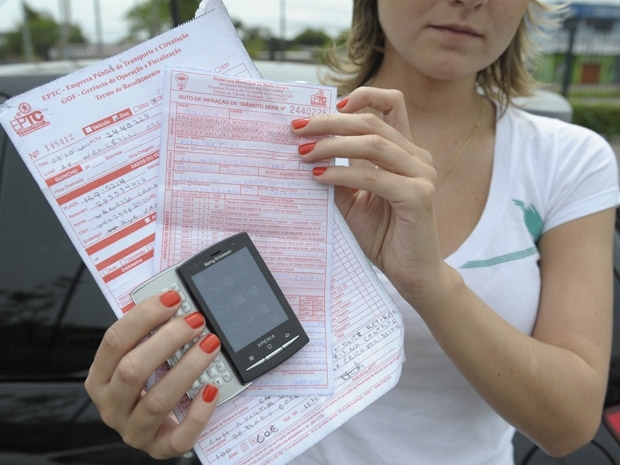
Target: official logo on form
{"type": "Point", "coordinates": [27, 121]}
{"type": "Point", "coordinates": [318, 99]}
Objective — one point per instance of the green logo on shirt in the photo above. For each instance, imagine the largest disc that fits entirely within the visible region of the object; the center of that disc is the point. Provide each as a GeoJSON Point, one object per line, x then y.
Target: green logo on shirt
{"type": "Point", "coordinates": [532, 218]}
{"type": "Point", "coordinates": [534, 224]}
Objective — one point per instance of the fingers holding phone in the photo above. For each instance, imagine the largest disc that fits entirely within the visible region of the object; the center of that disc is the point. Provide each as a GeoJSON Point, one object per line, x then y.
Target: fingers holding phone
{"type": "Point", "coordinates": [127, 357]}
{"type": "Point", "coordinates": [224, 298]}
{"type": "Point", "coordinates": [231, 286]}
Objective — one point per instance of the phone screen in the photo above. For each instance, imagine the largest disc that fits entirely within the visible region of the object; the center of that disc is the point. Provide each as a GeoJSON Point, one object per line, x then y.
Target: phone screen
{"type": "Point", "coordinates": [239, 298]}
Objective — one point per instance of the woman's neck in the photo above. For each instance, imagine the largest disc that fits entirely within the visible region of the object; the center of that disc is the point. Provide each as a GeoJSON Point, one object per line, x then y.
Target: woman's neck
{"type": "Point", "coordinates": [438, 110]}
{"type": "Point", "coordinates": [442, 113]}
{"type": "Point", "coordinates": [425, 95]}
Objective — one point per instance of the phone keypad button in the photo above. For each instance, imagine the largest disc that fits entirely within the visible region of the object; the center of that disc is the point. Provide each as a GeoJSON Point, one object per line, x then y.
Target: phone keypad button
{"type": "Point", "coordinates": [186, 308]}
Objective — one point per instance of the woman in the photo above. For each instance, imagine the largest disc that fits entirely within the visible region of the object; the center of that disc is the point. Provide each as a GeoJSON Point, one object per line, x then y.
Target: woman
{"type": "Point", "coordinates": [492, 229]}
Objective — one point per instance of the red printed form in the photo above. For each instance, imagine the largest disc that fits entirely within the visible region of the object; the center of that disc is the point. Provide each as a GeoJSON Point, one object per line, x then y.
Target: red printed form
{"type": "Point", "coordinates": [91, 140]}
{"type": "Point", "coordinates": [229, 163]}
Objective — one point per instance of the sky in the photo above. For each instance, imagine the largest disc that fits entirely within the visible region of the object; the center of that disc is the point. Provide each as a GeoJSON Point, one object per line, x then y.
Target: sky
{"type": "Point", "coordinates": [331, 16]}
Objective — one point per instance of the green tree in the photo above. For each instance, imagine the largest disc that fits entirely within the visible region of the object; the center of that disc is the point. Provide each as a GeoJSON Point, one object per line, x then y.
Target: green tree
{"type": "Point", "coordinates": [255, 39]}
{"type": "Point", "coordinates": [312, 37]}
{"type": "Point", "coordinates": [151, 17]}
{"type": "Point", "coordinates": [45, 33]}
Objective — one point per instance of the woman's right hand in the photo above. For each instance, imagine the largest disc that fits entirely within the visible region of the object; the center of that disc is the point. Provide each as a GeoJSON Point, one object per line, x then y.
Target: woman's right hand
{"type": "Point", "coordinates": [124, 362]}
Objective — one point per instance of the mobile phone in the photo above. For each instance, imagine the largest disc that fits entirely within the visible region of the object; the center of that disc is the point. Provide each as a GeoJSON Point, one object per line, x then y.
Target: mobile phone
{"type": "Point", "coordinates": [230, 284]}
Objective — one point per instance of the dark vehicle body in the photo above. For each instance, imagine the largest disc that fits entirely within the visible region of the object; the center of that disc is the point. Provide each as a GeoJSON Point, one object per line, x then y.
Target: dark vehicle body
{"type": "Point", "coordinates": [53, 315]}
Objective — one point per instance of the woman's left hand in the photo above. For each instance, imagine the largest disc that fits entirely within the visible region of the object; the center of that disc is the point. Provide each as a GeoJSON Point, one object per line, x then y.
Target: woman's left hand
{"type": "Point", "coordinates": [387, 193]}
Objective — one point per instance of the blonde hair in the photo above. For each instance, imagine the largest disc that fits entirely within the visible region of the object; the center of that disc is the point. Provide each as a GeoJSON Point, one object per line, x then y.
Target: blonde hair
{"type": "Point", "coordinates": [508, 77]}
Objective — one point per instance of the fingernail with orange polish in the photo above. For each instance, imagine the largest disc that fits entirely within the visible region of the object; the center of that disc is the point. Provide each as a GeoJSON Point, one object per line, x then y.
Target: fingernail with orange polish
{"type": "Point", "coordinates": [342, 103]}
{"type": "Point", "coordinates": [170, 298]}
{"type": "Point", "coordinates": [210, 343]}
{"type": "Point", "coordinates": [305, 149]}
{"type": "Point", "coordinates": [300, 123]}
{"type": "Point", "coordinates": [318, 170]}
{"type": "Point", "coordinates": [195, 320]}
{"type": "Point", "coordinates": [210, 393]}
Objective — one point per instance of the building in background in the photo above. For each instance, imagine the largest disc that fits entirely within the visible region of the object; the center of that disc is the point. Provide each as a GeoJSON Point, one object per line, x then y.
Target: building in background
{"type": "Point", "coordinates": [583, 55]}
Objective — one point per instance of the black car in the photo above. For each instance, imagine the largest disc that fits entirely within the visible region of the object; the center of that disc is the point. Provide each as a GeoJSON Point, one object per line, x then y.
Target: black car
{"type": "Point", "coordinates": [53, 316]}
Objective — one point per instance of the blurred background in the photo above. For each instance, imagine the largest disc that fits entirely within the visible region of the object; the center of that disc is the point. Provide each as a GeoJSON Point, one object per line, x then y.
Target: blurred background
{"type": "Point", "coordinates": [44, 29]}
{"type": "Point", "coordinates": [581, 59]}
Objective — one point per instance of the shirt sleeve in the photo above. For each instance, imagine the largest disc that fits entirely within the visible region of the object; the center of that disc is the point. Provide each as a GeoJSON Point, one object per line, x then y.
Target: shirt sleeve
{"type": "Point", "coordinates": [585, 180]}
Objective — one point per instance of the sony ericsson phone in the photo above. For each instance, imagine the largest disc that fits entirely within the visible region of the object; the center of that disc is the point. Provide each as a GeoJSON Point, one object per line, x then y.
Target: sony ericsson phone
{"type": "Point", "coordinates": [230, 284]}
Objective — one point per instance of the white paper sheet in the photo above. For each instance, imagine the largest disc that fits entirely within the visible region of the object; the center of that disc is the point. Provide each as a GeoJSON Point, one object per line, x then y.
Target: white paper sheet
{"type": "Point", "coordinates": [91, 140]}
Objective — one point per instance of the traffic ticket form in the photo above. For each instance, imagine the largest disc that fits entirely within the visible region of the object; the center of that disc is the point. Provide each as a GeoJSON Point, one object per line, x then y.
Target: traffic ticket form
{"type": "Point", "coordinates": [92, 140]}
{"type": "Point", "coordinates": [229, 163]}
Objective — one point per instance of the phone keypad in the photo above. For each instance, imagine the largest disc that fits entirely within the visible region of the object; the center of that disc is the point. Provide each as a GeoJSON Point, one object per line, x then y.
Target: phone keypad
{"type": "Point", "coordinates": [218, 373]}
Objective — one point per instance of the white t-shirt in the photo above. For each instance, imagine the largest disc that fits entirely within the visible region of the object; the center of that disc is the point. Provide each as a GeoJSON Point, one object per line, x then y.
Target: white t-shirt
{"type": "Point", "coordinates": [546, 172]}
